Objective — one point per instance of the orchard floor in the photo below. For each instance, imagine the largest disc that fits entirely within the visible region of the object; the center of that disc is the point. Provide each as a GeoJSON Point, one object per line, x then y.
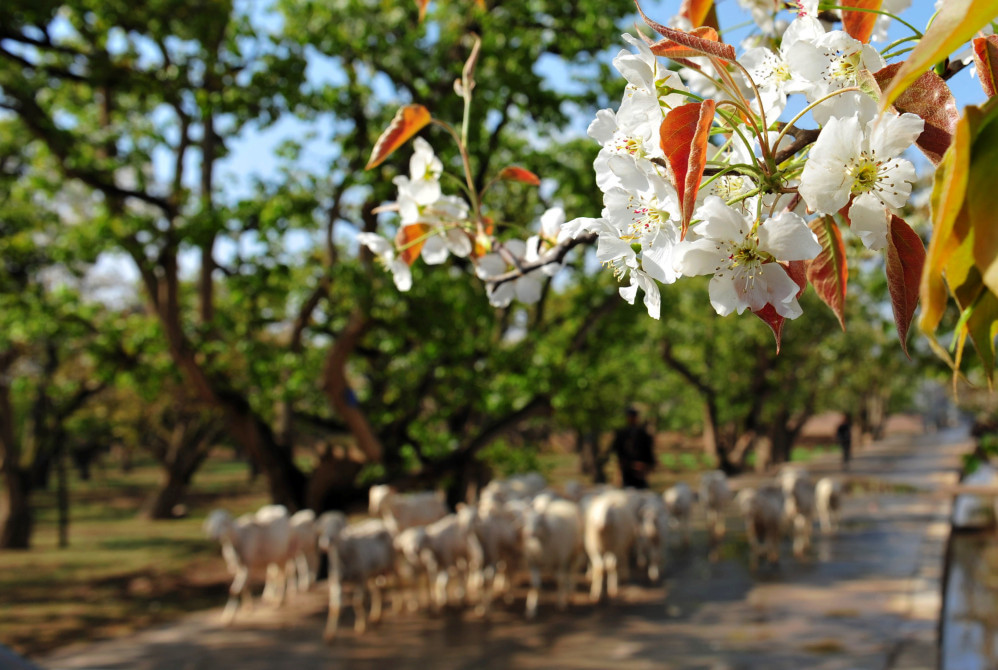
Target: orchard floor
{"type": "Point", "coordinates": [866, 598]}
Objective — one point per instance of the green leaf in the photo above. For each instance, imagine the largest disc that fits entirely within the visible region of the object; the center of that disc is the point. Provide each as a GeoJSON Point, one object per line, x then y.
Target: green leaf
{"type": "Point", "coordinates": [956, 23]}
{"type": "Point", "coordinates": [828, 272]}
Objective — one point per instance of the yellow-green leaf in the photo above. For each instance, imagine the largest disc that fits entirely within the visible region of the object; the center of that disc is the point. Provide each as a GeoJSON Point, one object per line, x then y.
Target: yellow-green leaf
{"type": "Point", "coordinates": [982, 196]}
{"type": "Point", "coordinates": [956, 23]}
{"type": "Point", "coordinates": [948, 191]}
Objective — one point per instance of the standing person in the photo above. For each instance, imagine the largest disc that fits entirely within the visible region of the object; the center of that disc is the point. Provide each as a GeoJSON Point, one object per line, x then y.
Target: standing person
{"type": "Point", "coordinates": [844, 435]}
{"type": "Point", "coordinates": [633, 446]}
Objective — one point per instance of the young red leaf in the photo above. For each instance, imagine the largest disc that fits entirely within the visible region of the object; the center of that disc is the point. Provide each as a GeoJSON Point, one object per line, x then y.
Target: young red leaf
{"type": "Point", "coordinates": [828, 272]}
{"type": "Point", "coordinates": [408, 121]}
{"type": "Point", "coordinates": [683, 136]}
{"type": "Point", "coordinates": [697, 12]}
{"type": "Point", "coordinates": [930, 98]}
{"type": "Point", "coordinates": [769, 314]}
{"type": "Point", "coordinates": [422, 4]}
{"type": "Point", "coordinates": [703, 41]}
{"type": "Point", "coordinates": [513, 173]}
{"type": "Point", "coordinates": [905, 258]}
{"type": "Point", "coordinates": [986, 60]}
{"type": "Point", "coordinates": [410, 240]}
{"type": "Point", "coordinates": [860, 24]}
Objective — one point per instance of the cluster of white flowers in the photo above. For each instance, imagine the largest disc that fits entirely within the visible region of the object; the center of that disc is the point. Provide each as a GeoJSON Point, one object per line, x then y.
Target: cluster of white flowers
{"type": "Point", "coordinates": [748, 220]}
{"type": "Point", "coordinates": [745, 228]}
{"type": "Point", "coordinates": [442, 225]}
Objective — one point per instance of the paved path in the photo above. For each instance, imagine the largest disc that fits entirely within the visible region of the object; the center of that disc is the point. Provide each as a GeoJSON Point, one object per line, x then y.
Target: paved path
{"type": "Point", "coordinates": [867, 599]}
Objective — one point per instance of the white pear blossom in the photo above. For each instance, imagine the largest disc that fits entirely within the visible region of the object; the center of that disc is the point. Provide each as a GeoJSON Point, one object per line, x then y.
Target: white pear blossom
{"type": "Point", "coordinates": [770, 70]}
{"type": "Point", "coordinates": [647, 218]}
{"type": "Point", "coordinates": [630, 139]}
{"type": "Point", "coordinates": [645, 74]}
{"type": "Point", "coordinates": [852, 160]}
{"type": "Point", "coordinates": [618, 254]}
{"type": "Point", "coordinates": [743, 258]}
{"type": "Point", "coordinates": [506, 257]}
{"type": "Point", "coordinates": [833, 62]}
{"type": "Point", "coordinates": [384, 251]}
{"type": "Point", "coordinates": [763, 13]}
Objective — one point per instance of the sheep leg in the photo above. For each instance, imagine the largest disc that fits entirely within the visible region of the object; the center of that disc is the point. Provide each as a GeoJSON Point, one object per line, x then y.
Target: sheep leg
{"type": "Point", "coordinates": [304, 573]}
{"type": "Point", "coordinates": [376, 602]}
{"type": "Point", "coordinates": [612, 576]}
{"type": "Point", "coordinates": [488, 586]}
{"type": "Point", "coordinates": [533, 595]}
{"type": "Point", "coordinates": [654, 563]}
{"type": "Point", "coordinates": [440, 593]}
{"type": "Point", "coordinates": [360, 616]}
{"type": "Point", "coordinates": [335, 603]}
{"type": "Point", "coordinates": [236, 591]}
{"type": "Point", "coordinates": [596, 588]}
{"type": "Point", "coordinates": [562, 579]}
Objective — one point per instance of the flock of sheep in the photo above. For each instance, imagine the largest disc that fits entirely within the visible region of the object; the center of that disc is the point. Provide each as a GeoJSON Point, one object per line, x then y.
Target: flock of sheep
{"type": "Point", "coordinates": [431, 556]}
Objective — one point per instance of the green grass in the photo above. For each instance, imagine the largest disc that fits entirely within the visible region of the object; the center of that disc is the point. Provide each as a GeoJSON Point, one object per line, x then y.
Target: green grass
{"type": "Point", "coordinates": [120, 572]}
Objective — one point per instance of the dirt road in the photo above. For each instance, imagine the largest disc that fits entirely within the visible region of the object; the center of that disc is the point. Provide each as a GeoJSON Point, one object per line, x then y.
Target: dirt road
{"type": "Point", "coordinates": [866, 598]}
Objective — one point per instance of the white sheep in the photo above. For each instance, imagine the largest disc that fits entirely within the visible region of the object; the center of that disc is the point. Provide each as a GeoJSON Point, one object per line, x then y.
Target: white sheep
{"type": "Point", "coordinates": [251, 541]}
{"type": "Point", "coordinates": [679, 503]}
{"type": "Point", "coordinates": [828, 501]}
{"type": "Point", "coordinates": [552, 543]}
{"type": "Point", "coordinates": [799, 506]}
{"type": "Point", "coordinates": [359, 554]}
{"type": "Point", "coordinates": [414, 578]}
{"type": "Point", "coordinates": [401, 511]}
{"type": "Point", "coordinates": [610, 532]}
{"type": "Point", "coordinates": [497, 529]}
{"type": "Point", "coordinates": [523, 486]}
{"type": "Point", "coordinates": [653, 532]}
{"type": "Point", "coordinates": [304, 557]}
{"type": "Point", "coordinates": [763, 512]}
{"type": "Point", "coordinates": [451, 553]}
{"type": "Point", "coordinates": [715, 496]}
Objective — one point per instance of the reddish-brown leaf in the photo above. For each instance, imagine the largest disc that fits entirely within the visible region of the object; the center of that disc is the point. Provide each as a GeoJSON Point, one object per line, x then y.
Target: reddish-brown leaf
{"type": "Point", "coordinates": [513, 173]}
{"type": "Point", "coordinates": [683, 136]}
{"type": "Point", "coordinates": [860, 24]}
{"type": "Point", "coordinates": [828, 272]}
{"type": "Point", "coordinates": [986, 60]}
{"type": "Point", "coordinates": [703, 41]}
{"type": "Point", "coordinates": [698, 12]}
{"type": "Point", "coordinates": [410, 240]}
{"type": "Point", "coordinates": [930, 98]}
{"type": "Point", "coordinates": [422, 4]}
{"type": "Point", "coordinates": [408, 121]}
{"type": "Point", "coordinates": [773, 319]}
{"type": "Point", "coordinates": [905, 258]}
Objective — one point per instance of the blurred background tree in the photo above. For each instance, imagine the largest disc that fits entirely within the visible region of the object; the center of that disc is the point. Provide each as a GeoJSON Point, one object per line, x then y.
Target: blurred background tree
{"type": "Point", "coordinates": [131, 139]}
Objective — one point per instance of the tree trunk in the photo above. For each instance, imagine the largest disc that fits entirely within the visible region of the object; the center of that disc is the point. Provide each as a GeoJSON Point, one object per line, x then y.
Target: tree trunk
{"type": "Point", "coordinates": [62, 495]}
{"type": "Point", "coordinates": [162, 503]}
{"type": "Point", "coordinates": [15, 510]}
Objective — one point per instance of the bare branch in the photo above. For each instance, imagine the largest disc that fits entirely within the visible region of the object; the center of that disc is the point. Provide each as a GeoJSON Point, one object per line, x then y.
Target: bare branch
{"type": "Point", "coordinates": [556, 254]}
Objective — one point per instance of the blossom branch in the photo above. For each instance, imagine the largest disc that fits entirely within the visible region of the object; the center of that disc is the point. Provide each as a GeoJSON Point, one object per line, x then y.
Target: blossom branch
{"type": "Point", "coordinates": [555, 254]}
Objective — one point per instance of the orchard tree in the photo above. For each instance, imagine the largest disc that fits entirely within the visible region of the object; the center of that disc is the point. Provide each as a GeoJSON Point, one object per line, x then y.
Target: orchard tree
{"type": "Point", "coordinates": [140, 106]}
